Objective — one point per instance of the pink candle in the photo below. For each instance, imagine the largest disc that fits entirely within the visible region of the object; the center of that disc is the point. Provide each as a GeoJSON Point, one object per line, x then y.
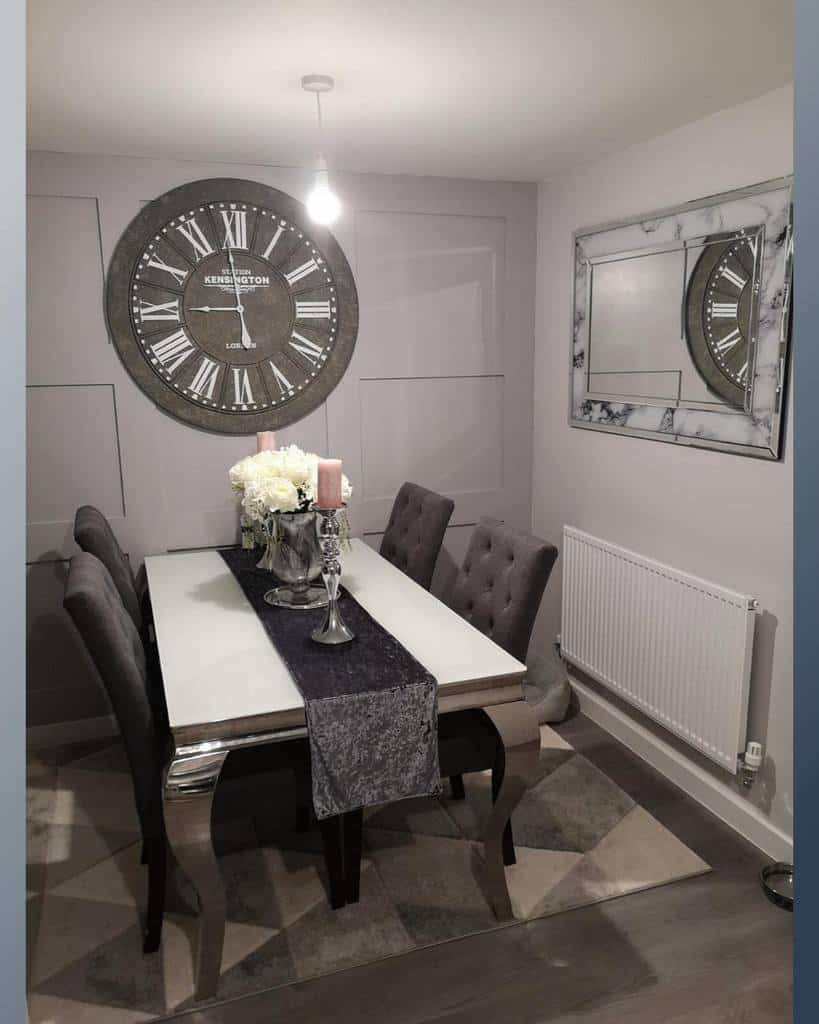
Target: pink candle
{"type": "Point", "coordinates": [329, 483]}
{"type": "Point", "coordinates": [266, 441]}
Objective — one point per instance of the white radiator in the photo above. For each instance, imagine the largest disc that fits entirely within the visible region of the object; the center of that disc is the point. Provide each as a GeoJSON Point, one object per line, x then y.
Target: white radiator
{"type": "Point", "coordinates": [675, 646]}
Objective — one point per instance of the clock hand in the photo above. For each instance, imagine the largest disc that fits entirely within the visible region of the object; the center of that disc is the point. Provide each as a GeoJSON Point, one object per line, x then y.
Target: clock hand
{"type": "Point", "coordinates": [213, 309]}
{"type": "Point", "coordinates": [247, 341]}
{"type": "Point", "coordinates": [233, 275]}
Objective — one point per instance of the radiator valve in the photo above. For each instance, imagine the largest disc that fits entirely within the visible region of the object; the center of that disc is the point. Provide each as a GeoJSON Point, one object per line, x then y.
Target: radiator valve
{"type": "Point", "coordinates": [749, 763]}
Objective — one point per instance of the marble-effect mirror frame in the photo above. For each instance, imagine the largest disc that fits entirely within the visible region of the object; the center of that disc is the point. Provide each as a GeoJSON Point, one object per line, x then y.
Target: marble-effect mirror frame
{"type": "Point", "coordinates": [757, 432]}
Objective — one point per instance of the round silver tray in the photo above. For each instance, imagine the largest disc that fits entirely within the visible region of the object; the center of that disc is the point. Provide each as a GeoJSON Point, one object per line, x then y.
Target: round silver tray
{"type": "Point", "coordinates": [282, 597]}
{"type": "Point", "coordinates": [777, 881]}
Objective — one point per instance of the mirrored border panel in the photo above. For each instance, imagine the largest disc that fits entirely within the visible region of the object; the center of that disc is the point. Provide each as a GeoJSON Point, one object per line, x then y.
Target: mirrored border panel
{"type": "Point", "coordinates": [752, 425]}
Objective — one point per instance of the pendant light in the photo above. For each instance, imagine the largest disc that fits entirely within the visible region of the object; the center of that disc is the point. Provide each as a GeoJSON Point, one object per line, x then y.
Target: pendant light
{"type": "Point", "coordinates": [323, 204]}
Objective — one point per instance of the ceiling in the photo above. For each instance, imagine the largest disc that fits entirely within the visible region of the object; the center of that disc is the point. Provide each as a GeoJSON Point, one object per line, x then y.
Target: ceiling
{"type": "Point", "coordinates": [516, 90]}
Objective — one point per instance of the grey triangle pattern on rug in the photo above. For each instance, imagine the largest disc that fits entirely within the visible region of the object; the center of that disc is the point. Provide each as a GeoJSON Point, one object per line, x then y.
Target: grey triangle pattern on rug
{"type": "Point", "coordinates": [579, 839]}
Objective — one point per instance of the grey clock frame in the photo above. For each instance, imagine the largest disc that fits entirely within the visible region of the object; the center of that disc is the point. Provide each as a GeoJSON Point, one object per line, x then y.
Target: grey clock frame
{"type": "Point", "coordinates": [660, 420]}
{"type": "Point", "coordinates": [696, 339]}
{"type": "Point", "coordinates": [121, 270]}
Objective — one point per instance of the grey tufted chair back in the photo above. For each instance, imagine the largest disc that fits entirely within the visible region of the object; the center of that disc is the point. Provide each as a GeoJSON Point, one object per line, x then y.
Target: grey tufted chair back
{"type": "Point", "coordinates": [93, 533]}
{"type": "Point", "coordinates": [415, 531]}
{"type": "Point", "coordinates": [113, 641]}
{"type": "Point", "coordinates": [501, 582]}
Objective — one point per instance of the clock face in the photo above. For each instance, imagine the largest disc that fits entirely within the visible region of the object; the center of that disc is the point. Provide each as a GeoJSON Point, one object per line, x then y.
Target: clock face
{"type": "Point", "coordinates": [719, 311]}
{"type": "Point", "coordinates": [229, 308]}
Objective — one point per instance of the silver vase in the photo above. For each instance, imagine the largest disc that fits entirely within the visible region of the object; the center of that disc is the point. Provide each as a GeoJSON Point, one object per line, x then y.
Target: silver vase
{"type": "Point", "coordinates": [293, 554]}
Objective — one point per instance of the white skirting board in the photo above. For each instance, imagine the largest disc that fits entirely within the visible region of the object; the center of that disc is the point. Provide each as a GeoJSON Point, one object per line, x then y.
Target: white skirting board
{"type": "Point", "coordinates": [40, 737]}
{"type": "Point", "coordinates": [715, 796]}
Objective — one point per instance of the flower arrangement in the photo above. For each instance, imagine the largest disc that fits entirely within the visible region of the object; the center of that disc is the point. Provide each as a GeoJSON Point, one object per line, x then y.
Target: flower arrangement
{"type": "Point", "coordinates": [283, 480]}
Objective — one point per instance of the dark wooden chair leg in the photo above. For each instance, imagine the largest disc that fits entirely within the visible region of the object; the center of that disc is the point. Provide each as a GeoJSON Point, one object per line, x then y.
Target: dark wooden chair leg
{"type": "Point", "coordinates": [353, 828]}
{"type": "Point", "coordinates": [156, 855]}
{"type": "Point", "coordinates": [304, 802]}
{"type": "Point", "coordinates": [509, 857]}
{"type": "Point", "coordinates": [456, 784]}
{"type": "Point", "coordinates": [331, 835]}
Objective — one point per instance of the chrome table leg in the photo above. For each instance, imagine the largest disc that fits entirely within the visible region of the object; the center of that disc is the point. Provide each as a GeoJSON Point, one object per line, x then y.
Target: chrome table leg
{"type": "Point", "coordinates": [518, 730]}
{"type": "Point", "coordinates": [190, 781]}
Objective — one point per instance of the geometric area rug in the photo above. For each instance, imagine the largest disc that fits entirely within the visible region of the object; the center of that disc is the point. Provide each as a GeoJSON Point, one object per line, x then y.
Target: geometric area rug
{"type": "Point", "coordinates": [579, 839]}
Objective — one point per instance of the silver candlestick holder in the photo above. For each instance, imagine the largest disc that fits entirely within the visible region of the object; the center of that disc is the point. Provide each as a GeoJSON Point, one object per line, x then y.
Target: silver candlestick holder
{"type": "Point", "coordinates": [334, 630]}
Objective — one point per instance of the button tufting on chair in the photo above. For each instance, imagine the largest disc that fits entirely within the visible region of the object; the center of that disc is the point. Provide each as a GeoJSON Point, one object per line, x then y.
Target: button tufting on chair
{"type": "Point", "coordinates": [497, 553]}
{"type": "Point", "coordinates": [415, 532]}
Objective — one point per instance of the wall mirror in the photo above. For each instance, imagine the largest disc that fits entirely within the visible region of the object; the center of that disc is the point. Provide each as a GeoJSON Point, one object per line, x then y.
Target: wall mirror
{"type": "Point", "coordinates": [681, 322]}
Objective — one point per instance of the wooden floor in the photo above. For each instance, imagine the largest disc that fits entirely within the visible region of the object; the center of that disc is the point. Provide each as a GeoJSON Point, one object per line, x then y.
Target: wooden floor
{"type": "Point", "coordinates": [711, 950]}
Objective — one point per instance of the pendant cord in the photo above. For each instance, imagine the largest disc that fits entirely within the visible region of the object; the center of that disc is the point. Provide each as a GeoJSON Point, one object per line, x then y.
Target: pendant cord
{"type": "Point", "coordinates": [320, 125]}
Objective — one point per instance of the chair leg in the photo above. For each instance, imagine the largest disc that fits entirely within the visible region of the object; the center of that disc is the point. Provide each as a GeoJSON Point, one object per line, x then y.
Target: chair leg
{"type": "Point", "coordinates": [155, 852]}
{"type": "Point", "coordinates": [456, 784]}
{"type": "Point", "coordinates": [331, 835]}
{"type": "Point", "coordinates": [353, 828]}
{"type": "Point", "coordinates": [304, 802]}
{"type": "Point", "coordinates": [509, 857]}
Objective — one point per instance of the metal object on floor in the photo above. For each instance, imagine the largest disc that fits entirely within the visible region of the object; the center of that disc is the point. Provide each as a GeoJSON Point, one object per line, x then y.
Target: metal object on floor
{"type": "Point", "coordinates": [777, 882]}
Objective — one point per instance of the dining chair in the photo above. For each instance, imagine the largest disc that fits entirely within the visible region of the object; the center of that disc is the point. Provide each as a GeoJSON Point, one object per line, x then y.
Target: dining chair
{"type": "Point", "coordinates": [116, 648]}
{"type": "Point", "coordinates": [93, 533]}
{"type": "Point", "coordinates": [111, 636]}
{"type": "Point", "coordinates": [415, 531]}
{"type": "Point", "coordinates": [498, 589]}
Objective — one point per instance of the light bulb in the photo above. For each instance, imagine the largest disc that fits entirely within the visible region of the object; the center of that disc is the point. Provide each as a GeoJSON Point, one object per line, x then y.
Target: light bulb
{"type": "Point", "coordinates": [323, 204]}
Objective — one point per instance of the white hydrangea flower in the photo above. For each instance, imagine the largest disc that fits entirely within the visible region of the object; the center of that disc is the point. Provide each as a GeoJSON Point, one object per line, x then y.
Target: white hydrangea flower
{"type": "Point", "coordinates": [270, 462]}
{"type": "Point", "coordinates": [241, 474]}
{"type": "Point", "coordinates": [278, 481]}
{"type": "Point", "coordinates": [269, 494]}
{"type": "Point", "coordinates": [281, 494]}
{"type": "Point", "coordinates": [295, 465]}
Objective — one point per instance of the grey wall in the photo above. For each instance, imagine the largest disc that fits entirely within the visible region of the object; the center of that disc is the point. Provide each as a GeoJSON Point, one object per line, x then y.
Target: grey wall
{"type": "Point", "coordinates": [439, 389]}
{"type": "Point", "coordinates": [722, 517]}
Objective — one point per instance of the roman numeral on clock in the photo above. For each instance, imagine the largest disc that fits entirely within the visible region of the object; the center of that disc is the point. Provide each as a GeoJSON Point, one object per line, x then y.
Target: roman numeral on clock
{"type": "Point", "coordinates": [177, 274]}
{"type": "Point", "coordinates": [743, 373]}
{"type": "Point", "coordinates": [729, 341]}
{"type": "Point", "coordinates": [281, 380]}
{"type": "Point", "coordinates": [724, 310]}
{"type": "Point", "coordinates": [300, 272]}
{"type": "Point", "coordinates": [736, 279]}
{"type": "Point", "coordinates": [312, 310]}
{"type": "Point", "coordinates": [171, 352]}
{"type": "Point", "coordinates": [160, 311]}
{"type": "Point", "coordinates": [194, 234]}
{"type": "Point", "coordinates": [204, 380]}
{"type": "Point", "coordinates": [271, 245]}
{"type": "Point", "coordinates": [309, 349]}
{"type": "Point", "coordinates": [242, 394]}
{"type": "Point", "coordinates": [235, 222]}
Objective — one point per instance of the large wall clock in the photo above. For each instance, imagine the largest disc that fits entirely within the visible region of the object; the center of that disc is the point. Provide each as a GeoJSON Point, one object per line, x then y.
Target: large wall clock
{"type": "Point", "coordinates": [718, 315]}
{"type": "Point", "coordinates": [229, 308]}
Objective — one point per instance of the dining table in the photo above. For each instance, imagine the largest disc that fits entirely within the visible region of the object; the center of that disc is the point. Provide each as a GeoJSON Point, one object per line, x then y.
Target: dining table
{"type": "Point", "coordinates": [226, 687]}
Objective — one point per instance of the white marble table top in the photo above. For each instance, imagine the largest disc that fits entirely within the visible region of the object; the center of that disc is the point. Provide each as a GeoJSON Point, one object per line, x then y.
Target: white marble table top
{"type": "Point", "coordinates": [223, 676]}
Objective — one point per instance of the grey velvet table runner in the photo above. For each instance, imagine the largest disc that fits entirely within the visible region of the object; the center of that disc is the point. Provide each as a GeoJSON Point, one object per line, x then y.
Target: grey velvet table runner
{"type": "Point", "coordinates": [371, 708]}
